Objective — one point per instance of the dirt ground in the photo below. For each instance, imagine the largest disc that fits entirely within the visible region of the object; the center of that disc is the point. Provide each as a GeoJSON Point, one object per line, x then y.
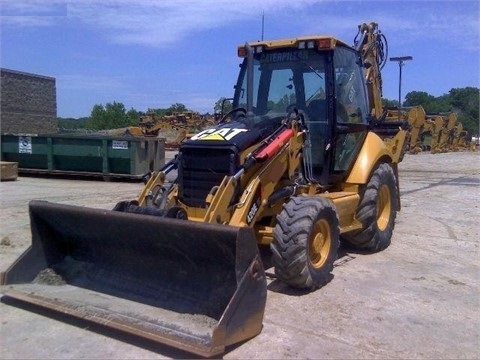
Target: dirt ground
{"type": "Point", "coordinates": [419, 298]}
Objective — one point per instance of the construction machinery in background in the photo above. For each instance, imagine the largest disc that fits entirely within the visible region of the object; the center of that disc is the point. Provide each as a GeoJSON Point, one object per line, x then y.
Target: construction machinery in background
{"type": "Point", "coordinates": [185, 124]}
{"type": "Point", "coordinates": [434, 133]}
{"type": "Point", "coordinates": [474, 142]}
{"type": "Point", "coordinates": [305, 159]}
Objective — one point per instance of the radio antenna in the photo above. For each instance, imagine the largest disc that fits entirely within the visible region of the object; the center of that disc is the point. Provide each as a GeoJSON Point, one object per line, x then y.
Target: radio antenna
{"type": "Point", "coordinates": [263, 23]}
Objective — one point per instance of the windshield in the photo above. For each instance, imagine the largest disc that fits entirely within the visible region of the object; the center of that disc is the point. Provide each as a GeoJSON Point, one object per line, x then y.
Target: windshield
{"type": "Point", "coordinates": [286, 78]}
{"type": "Point", "coordinates": [281, 79]}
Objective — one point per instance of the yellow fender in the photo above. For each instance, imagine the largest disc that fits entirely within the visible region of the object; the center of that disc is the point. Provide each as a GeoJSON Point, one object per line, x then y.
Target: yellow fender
{"type": "Point", "coordinates": [372, 151]}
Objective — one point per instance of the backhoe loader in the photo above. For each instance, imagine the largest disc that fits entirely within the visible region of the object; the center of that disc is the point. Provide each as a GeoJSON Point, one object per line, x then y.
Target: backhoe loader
{"type": "Point", "coordinates": [446, 134]}
{"type": "Point", "coordinates": [303, 160]}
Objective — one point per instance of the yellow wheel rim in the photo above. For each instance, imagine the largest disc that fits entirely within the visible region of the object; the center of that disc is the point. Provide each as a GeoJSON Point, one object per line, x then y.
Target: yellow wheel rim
{"type": "Point", "coordinates": [384, 207]}
{"type": "Point", "coordinates": [320, 243]}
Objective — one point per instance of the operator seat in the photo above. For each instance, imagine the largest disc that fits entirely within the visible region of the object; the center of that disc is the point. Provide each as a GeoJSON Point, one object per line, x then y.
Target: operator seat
{"type": "Point", "coordinates": [316, 110]}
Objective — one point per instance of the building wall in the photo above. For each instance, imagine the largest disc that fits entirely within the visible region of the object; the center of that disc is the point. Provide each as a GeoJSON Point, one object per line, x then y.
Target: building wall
{"type": "Point", "coordinates": [28, 103]}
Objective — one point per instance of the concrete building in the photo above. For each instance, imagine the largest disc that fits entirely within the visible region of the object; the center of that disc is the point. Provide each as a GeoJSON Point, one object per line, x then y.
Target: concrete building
{"type": "Point", "coordinates": [28, 103]}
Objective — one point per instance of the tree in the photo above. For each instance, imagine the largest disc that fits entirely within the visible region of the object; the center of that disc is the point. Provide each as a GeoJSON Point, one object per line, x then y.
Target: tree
{"type": "Point", "coordinates": [71, 123]}
{"type": "Point", "coordinates": [389, 103]}
{"type": "Point", "coordinates": [97, 118]}
{"type": "Point", "coordinates": [111, 116]}
{"type": "Point", "coordinates": [178, 108]}
{"type": "Point", "coordinates": [222, 102]}
{"type": "Point", "coordinates": [431, 104]}
{"type": "Point", "coordinates": [159, 112]}
{"type": "Point", "coordinates": [441, 104]}
{"type": "Point", "coordinates": [415, 98]}
{"type": "Point", "coordinates": [133, 116]}
{"type": "Point", "coordinates": [466, 101]}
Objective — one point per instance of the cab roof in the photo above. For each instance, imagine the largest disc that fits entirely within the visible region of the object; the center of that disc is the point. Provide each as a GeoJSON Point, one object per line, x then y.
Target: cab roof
{"type": "Point", "coordinates": [320, 42]}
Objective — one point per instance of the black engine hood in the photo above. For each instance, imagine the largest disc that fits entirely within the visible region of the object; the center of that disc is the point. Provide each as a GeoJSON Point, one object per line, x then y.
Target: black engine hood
{"type": "Point", "coordinates": [237, 133]}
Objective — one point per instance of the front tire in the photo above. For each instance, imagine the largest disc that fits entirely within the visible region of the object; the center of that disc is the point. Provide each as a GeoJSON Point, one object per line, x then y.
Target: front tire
{"type": "Point", "coordinates": [305, 242]}
{"type": "Point", "coordinates": [377, 211]}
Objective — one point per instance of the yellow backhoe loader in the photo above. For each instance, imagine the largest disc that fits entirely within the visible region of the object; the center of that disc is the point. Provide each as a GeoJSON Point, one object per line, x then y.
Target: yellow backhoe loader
{"type": "Point", "coordinates": [416, 120]}
{"type": "Point", "coordinates": [304, 159]}
{"type": "Point", "coordinates": [446, 134]}
{"type": "Point", "coordinates": [432, 127]}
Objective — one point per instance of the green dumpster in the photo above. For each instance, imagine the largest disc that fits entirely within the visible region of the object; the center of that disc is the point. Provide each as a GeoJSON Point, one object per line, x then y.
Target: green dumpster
{"type": "Point", "coordinates": [106, 156]}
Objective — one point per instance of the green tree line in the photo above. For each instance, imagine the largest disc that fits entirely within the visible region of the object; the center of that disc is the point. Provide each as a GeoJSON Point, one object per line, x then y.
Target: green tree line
{"type": "Point", "coordinates": [113, 116]}
{"type": "Point", "coordinates": [463, 101]}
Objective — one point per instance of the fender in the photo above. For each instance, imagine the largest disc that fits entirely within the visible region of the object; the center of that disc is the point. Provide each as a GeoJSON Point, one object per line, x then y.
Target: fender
{"type": "Point", "coordinates": [374, 149]}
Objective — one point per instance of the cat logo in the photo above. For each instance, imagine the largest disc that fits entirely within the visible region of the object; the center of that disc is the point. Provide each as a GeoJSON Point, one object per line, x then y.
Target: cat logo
{"type": "Point", "coordinates": [218, 134]}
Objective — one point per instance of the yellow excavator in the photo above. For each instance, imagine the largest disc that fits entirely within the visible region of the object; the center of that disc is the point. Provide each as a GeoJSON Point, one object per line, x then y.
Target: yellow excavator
{"type": "Point", "coordinates": [303, 160]}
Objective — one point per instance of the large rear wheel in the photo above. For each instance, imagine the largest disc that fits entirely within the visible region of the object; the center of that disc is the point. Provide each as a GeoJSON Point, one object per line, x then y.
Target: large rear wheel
{"type": "Point", "coordinates": [377, 211]}
{"type": "Point", "coordinates": [305, 242]}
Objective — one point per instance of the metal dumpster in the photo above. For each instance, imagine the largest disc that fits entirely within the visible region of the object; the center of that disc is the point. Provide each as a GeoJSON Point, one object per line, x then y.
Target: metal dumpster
{"type": "Point", "coordinates": [106, 156]}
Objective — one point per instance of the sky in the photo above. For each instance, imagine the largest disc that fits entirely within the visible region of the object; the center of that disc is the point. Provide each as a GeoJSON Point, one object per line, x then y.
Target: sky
{"type": "Point", "coordinates": [155, 53]}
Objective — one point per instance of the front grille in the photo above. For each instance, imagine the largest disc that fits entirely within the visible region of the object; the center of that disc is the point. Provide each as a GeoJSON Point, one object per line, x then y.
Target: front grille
{"type": "Point", "coordinates": [202, 168]}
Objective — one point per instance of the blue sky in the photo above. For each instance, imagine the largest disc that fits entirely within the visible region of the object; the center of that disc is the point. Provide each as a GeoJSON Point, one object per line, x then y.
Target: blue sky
{"type": "Point", "coordinates": [154, 53]}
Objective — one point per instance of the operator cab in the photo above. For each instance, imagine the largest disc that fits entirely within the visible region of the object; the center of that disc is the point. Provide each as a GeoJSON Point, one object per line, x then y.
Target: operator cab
{"type": "Point", "coordinates": [322, 79]}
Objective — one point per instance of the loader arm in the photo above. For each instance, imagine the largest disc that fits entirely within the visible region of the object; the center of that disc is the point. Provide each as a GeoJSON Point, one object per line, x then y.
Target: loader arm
{"type": "Point", "coordinates": [276, 159]}
{"type": "Point", "coordinates": [153, 184]}
{"type": "Point", "coordinates": [284, 157]}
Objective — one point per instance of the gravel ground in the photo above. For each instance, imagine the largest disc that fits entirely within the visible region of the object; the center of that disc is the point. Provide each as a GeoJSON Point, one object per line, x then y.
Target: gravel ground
{"type": "Point", "coordinates": [419, 298]}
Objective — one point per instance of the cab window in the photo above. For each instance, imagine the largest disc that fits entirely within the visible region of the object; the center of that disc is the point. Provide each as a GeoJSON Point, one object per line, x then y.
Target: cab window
{"type": "Point", "coordinates": [352, 105]}
{"type": "Point", "coordinates": [351, 109]}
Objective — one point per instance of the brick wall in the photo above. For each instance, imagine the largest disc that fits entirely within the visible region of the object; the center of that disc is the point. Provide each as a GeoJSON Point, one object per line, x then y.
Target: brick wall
{"type": "Point", "coordinates": [28, 103]}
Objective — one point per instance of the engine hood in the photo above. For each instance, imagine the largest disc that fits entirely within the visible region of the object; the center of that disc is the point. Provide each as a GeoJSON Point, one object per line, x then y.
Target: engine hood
{"type": "Point", "coordinates": [233, 133]}
{"type": "Point", "coordinates": [241, 134]}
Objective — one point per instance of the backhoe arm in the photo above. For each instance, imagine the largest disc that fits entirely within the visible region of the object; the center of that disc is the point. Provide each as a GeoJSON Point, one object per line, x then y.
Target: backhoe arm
{"type": "Point", "coordinates": [371, 47]}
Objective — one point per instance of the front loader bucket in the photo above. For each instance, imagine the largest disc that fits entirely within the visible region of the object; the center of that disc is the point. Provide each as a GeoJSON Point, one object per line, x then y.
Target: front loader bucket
{"type": "Point", "coordinates": [194, 286]}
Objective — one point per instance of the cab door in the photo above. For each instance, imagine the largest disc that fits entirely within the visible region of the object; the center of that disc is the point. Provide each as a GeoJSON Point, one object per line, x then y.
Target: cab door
{"type": "Point", "coordinates": [350, 112]}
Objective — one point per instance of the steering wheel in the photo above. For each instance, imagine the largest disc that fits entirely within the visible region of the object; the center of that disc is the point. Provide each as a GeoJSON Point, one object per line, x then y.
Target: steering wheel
{"type": "Point", "coordinates": [299, 114]}
{"type": "Point", "coordinates": [242, 112]}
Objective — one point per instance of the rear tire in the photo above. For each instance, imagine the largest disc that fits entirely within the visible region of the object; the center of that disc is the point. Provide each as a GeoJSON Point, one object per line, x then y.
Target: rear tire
{"type": "Point", "coordinates": [377, 211]}
{"type": "Point", "coordinates": [305, 242]}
